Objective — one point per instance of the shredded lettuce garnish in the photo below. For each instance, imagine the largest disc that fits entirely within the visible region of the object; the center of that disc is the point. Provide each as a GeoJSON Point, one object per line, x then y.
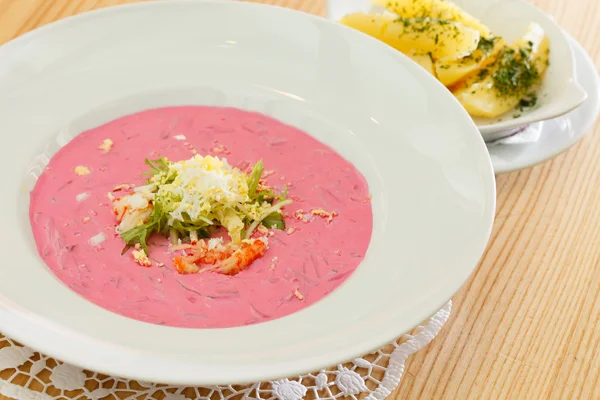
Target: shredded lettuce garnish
{"type": "Point", "coordinates": [254, 179]}
{"type": "Point", "coordinates": [192, 197]}
{"type": "Point", "coordinates": [159, 165]}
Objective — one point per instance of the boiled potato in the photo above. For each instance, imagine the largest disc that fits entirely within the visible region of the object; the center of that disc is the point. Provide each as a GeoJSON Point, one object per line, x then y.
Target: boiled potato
{"type": "Point", "coordinates": [375, 27]}
{"type": "Point", "coordinates": [500, 87]}
{"type": "Point", "coordinates": [424, 60]}
{"type": "Point", "coordinates": [437, 9]}
{"type": "Point", "coordinates": [442, 39]}
{"type": "Point", "coordinates": [488, 77]}
{"type": "Point", "coordinates": [372, 25]}
{"type": "Point", "coordinates": [450, 72]}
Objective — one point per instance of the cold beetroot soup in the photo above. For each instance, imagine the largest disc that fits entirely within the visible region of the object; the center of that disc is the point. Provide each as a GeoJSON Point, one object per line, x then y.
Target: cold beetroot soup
{"type": "Point", "coordinates": [200, 217]}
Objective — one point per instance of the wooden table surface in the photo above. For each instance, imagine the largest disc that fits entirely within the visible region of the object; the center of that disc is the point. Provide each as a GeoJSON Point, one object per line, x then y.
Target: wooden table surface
{"type": "Point", "coordinates": [527, 324]}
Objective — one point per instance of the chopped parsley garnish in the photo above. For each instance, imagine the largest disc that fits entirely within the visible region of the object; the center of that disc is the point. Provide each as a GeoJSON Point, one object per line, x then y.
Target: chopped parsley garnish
{"type": "Point", "coordinates": [486, 45]}
{"type": "Point", "coordinates": [528, 101]}
{"type": "Point", "coordinates": [516, 74]}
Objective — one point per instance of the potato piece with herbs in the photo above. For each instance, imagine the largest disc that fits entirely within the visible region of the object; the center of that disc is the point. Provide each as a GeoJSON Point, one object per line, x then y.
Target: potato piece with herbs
{"type": "Point", "coordinates": [372, 25]}
{"type": "Point", "coordinates": [510, 80]}
{"type": "Point", "coordinates": [442, 39]}
{"type": "Point", "coordinates": [424, 60]}
{"type": "Point", "coordinates": [450, 72]}
{"type": "Point", "coordinates": [437, 9]}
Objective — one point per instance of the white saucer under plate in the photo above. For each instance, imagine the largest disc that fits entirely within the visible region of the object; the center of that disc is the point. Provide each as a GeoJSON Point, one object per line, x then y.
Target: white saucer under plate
{"type": "Point", "coordinates": [543, 140]}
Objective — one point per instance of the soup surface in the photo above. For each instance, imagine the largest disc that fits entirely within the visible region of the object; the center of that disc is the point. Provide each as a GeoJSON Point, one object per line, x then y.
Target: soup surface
{"type": "Point", "coordinates": [74, 224]}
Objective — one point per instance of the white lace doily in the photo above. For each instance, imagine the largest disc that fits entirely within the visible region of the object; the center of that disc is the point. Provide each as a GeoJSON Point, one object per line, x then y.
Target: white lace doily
{"type": "Point", "coordinates": [28, 375]}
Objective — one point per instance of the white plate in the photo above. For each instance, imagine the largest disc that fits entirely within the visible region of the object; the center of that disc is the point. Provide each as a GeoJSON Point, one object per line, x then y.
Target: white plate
{"type": "Point", "coordinates": [509, 19]}
{"type": "Point", "coordinates": [544, 140]}
{"type": "Point", "coordinates": [428, 170]}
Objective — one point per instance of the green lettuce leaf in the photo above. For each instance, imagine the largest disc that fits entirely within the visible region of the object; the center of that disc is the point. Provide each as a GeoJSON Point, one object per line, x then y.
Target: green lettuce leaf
{"type": "Point", "coordinates": [274, 220]}
{"type": "Point", "coordinates": [254, 178]}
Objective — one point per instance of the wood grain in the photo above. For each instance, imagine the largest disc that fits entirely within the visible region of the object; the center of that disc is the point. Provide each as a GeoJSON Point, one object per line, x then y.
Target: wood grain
{"type": "Point", "coordinates": [527, 324]}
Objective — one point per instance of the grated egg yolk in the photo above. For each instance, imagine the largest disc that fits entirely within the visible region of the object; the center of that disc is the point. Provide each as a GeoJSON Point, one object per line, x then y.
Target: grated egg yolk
{"type": "Point", "coordinates": [199, 183]}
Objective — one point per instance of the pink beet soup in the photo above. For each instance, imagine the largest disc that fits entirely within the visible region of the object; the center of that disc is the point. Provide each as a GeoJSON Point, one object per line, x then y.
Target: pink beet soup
{"type": "Point", "coordinates": [303, 264]}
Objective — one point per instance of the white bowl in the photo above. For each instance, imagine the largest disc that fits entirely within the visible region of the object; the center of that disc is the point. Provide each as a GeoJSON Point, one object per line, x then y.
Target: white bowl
{"type": "Point", "coordinates": [560, 92]}
{"type": "Point", "coordinates": [426, 164]}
